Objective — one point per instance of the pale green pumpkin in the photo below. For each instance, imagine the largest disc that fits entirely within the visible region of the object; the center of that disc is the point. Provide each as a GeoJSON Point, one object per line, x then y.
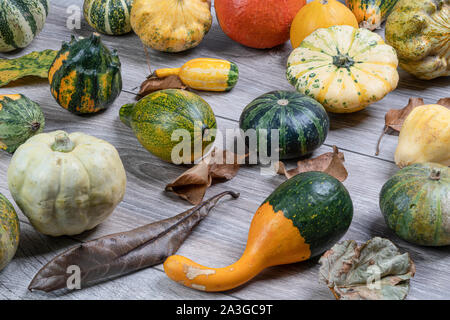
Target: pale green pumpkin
{"type": "Point", "coordinates": [66, 184]}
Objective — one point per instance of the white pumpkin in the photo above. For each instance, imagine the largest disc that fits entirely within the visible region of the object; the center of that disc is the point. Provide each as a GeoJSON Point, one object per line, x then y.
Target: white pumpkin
{"type": "Point", "coordinates": [343, 68]}
{"type": "Point", "coordinates": [66, 184]}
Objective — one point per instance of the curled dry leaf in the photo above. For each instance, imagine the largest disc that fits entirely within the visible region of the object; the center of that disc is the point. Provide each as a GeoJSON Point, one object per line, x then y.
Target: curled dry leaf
{"type": "Point", "coordinates": [374, 271]}
{"type": "Point", "coordinates": [192, 184]}
{"type": "Point", "coordinates": [35, 63]}
{"type": "Point", "coordinates": [394, 118]}
{"type": "Point", "coordinates": [330, 162]}
{"type": "Point", "coordinates": [444, 102]}
{"type": "Point", "coordinates": [121, 253]}
{"type": "Point", "coordinates": [153, 83]}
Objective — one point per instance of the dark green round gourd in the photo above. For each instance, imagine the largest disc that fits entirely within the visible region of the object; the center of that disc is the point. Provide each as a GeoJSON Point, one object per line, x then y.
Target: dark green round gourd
{"type": "Point", "coordinates": [85, 76]}
{"type": "Point", "coordinates": [318, 204]}
{"type": "Point", "coordinates": [9, 231]}
{"type": "Point", "coordinates": [156, 117]}
{"type": "Point", "coordinates": [415, 203]}
{"type": "Point", "coordinates": [302, 122]}
{"type": "Point", "coordinates": [20, 119]}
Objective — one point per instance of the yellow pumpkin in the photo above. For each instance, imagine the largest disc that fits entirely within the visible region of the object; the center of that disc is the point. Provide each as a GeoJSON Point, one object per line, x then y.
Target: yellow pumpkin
{"type": "Point", "coordinates": [171, 25]}
{"type": "Point", "coordinates": [343, 68]}
{"type": "Point", "coordinates": [425, 137]}
{"type": "Point", "coordinates": [320, 14]}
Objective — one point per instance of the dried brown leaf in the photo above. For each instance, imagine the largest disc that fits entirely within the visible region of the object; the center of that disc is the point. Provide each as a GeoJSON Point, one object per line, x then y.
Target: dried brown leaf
{"type": "Point", "coordinates": [121, 253]}
{"type": "Point", "coordinates": [330, 162]}
{"type": "Point", "coordinates": [395, 118]}
{"type": "Point", "coordinates": [153, 83]}
{"type": "Point", "coordinates": [376, 270]}
{"type": "Point", "coordinates": [444, 102]}
{"type": "Point", "coordinates": [217, 166]}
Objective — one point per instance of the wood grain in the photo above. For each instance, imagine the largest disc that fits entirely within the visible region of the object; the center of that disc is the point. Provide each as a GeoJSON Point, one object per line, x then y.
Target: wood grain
{"type": "Point", "coordinates": [220, 238]}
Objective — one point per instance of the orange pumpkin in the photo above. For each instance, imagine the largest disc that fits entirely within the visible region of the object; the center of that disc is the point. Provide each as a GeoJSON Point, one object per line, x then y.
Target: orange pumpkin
{"type": "Point", "coordinates": [320, 14]}
{"type": "Point", "coordinates": [257, 23]}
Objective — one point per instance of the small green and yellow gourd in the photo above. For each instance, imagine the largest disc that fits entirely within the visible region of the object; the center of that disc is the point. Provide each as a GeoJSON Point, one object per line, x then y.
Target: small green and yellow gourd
{"type": "Point", "coordinates": [371, 13]}
{"type": "Point", "coordinates": [175, 125]}
{"type": "Point", "coordinates": [85, 76]}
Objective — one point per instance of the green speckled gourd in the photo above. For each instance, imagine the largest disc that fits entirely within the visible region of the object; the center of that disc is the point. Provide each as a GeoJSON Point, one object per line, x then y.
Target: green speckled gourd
{"type": "Point", "coordinates": [302, 122]}
{"type": "Point", "coordinates": [415, 203]}
{"type": "Point", "coordinates": [20, 119]}
{"type": "Point", "coordinates": [419, 30]}
{"type": "Point", "coordinates": [9, 231]}
{"type": "Point", "coordinates": [302, 218]}
{"type": "Point", "coordinates": [108, 16]}
{"type": "Point", "coordinates": [371, 13]}
{"type": "Point", "coordinates": [85, 76]}
{"type": "Point", "coordinates": [344, 68]}
{"type": "Point", "coordinates": [158, 116]}
{"type": "Point", "coordinates": [20, 22]}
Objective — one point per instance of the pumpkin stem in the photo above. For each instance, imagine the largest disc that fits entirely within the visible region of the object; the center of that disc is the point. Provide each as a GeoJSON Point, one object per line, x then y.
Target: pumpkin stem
{"type": "Point", "coordinates": [323, 1]}
{"type": "Point", "coordinates": [125, 113]}
{"type": "Point", "coordinates": [343, 61]}
{"type": "Point", "coordinates": [435, 174]}
{"type": "Point", "coordinates": [96, 38]}
{"type": "Point", "coordinates": [35, 126]}
{"type": "Point", "coordinates": [62, 143]}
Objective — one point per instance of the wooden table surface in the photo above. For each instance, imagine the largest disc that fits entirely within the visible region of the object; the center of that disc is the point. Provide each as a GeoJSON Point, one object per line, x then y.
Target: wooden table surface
{"type": "Point", "coordinates": [220, 239]}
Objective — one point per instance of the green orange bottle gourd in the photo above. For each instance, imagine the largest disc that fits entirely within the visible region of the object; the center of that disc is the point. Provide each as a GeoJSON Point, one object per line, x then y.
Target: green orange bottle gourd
{"type": "Point", "coordinates": [302, 218]}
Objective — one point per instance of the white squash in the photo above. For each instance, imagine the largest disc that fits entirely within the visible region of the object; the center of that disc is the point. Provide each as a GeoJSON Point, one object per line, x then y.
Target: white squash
{"type": "Point", "coordinates": [343, 68]}
{"type": "Point", "coordinates": [66, 184]}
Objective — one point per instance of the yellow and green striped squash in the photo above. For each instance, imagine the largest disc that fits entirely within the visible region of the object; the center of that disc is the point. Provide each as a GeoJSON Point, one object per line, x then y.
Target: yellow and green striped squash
{"type": "Point", "coordinates": [85, 76]}
{"type": "Point", "coordinates": [343, 68]}
{"type": "Point", "coordinates": [108, 16]}
{"type": "Point", "coordinates": [20, 22]}
{"type": "Point", "coordinates": [205, 74]}
{"type": "Point", "coordinates": [371, 13]}
{"type": "Point", "coordinates": [9, 231]}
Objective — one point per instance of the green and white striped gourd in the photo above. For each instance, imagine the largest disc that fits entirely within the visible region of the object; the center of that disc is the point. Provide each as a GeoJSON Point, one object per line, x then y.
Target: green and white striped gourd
{"type": "Point", "coordinates": [108, 16]}
{"type": "Point", "coordinates": [20, 22]}
{"type": "Point", "coordinates": [20, 119]}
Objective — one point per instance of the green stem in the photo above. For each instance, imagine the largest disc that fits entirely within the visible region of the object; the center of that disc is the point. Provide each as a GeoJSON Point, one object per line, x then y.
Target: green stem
{"type": "Point", "coordinates": [125, 113]}
{"type": "Point", "coordinates": [62, 143]}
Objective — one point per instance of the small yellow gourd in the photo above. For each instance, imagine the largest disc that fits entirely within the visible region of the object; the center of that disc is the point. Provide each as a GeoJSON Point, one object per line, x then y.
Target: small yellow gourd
{"type": "Point", "coordinates": [205, 74]}
{"type": "Point", "coordinates": [425, 137]}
